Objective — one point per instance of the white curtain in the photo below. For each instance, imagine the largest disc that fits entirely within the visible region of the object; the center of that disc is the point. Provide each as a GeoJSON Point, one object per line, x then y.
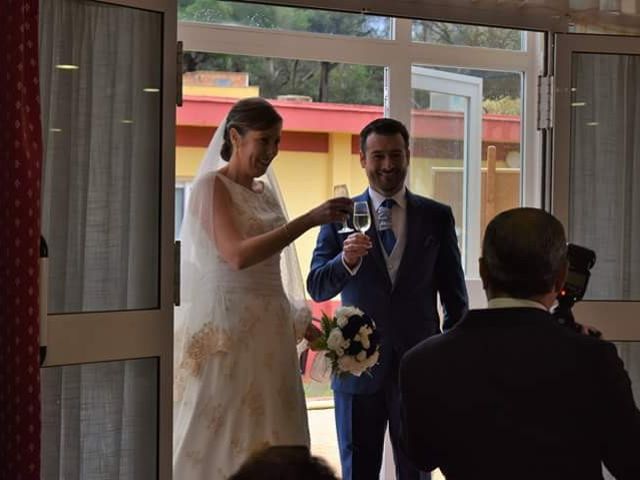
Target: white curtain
{"type": "Point", "coordinates": [99, 422]}
{"type": "Point", "coordinates": [100, 70]}
{"type": "Point", "coordinates": [605, 171]}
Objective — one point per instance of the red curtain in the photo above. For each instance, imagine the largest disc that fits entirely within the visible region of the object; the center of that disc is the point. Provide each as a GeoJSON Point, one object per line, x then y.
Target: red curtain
{"type": "Point", "coordinates": [20, 167]}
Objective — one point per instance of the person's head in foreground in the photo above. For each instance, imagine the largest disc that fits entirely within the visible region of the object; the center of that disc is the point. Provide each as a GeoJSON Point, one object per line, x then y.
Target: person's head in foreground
{"type": "Point", "coordinates": [524, 255]}
{"type": "Point", "coordinates": [284, 463]}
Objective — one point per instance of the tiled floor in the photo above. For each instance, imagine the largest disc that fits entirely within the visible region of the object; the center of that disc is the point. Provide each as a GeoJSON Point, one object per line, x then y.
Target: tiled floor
{"type": "Point", "coordinates": [324, 443]}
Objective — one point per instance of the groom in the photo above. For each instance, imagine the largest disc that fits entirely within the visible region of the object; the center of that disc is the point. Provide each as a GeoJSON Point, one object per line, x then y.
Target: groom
{"type": "Point", "coordinates": [393, 273]}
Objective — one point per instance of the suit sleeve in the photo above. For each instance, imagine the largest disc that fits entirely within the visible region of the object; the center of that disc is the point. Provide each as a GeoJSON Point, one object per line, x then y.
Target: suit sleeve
{"type": "Point", "coordinates": [450, 277]}
{"type": "Point", "coordinates": [619, 415]}
{"type": "Point", "coordinates": [415, 438]}
{"type": "Point", "coordinates": [328, 275]}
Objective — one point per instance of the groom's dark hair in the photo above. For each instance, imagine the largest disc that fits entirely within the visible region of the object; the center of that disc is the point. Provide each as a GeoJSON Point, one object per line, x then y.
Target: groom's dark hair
{"type": "Point", "coordinates": [284, 463]}
{"type": "Point", "coordinates": [383, 126]}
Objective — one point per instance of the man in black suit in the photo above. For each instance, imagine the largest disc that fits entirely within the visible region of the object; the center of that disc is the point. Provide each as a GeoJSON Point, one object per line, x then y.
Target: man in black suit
{"type": "Point", "coordinates": [521, 397]}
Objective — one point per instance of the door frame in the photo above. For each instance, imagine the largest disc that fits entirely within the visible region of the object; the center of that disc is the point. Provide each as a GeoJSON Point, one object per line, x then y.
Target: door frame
{"type": "Point", "coordinates": [92, 337]}
{"type": "Point", "coordinates": [470, 88]}
{"type": "Point", "coordinates": [616, 319]}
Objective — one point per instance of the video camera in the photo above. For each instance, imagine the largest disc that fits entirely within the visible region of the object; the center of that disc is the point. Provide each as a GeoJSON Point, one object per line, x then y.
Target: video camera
{"type": "Point", "coordinates": [581, 261]}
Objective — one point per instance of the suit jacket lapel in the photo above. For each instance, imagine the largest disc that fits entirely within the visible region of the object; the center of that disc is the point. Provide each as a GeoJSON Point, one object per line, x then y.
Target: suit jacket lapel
{"type": "Point", "coordinates": [414, 226]}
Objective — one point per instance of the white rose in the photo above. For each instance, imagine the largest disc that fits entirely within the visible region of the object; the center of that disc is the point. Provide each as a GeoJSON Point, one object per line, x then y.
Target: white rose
{"type": "Point", "coordinates": [363, 336]}
{"type": "Point", "coordinates": [335, 340]}
{"type": "Point", "coordinates": [343, 314]}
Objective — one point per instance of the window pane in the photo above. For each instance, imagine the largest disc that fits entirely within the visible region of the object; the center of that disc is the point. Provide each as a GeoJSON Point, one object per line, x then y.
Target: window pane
{"type": "Point", "coordinates": [604, 202]}
{"type": "Point", "coordinates": [100, 421]}
{"type": "Point", "coordinates": [100, 76]}
{"type": "Point", "coordinates": [284, 18]}
{"type": "Point", "coordinates": [237, 76]}
{"type": "Point", "coordinates": [466, 35]}
{"type": "Point", "coordinates": [324, 106]}
{"type": "Point", "coordinates": [439, 150]}
{"type": "Point", "coordinates": [438, 164]}
{"type": "Point", "coordinates": [179, 209]}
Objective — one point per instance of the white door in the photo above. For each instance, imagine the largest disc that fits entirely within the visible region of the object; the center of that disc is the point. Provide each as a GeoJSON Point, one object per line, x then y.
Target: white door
{"type": "Point", "coordinates": [436, 96]}
{"type": "Point", "coordinates": [108, 74]}
{"type": "Point", "coordinates": [457, 99]}
{"type": "Point", "coordinates": [595, 178]}
{"type": "Point", "coordinates": [460, 97]}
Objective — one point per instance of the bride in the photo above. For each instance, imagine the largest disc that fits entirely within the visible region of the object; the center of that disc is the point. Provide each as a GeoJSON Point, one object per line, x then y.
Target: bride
{"type": "Point", "coordinates": [237, 382]}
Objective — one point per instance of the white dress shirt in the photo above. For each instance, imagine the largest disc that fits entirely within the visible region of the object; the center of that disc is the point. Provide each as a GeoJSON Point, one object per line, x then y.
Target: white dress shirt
{"type": "Point", "coordinates": [509, 302]}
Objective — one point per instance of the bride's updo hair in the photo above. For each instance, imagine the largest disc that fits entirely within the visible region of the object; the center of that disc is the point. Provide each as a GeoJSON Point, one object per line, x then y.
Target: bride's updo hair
{"type": "Point", "coordinates": [248, 114]}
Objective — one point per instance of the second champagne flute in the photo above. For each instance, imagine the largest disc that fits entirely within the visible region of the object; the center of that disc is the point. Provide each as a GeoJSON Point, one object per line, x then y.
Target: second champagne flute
{"type": "Point", "coordinates": [342, 191]}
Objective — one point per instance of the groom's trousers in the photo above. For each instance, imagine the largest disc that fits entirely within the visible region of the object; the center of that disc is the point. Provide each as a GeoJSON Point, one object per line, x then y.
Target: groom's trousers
{"type": "Point", "coordinates": [361, 422]}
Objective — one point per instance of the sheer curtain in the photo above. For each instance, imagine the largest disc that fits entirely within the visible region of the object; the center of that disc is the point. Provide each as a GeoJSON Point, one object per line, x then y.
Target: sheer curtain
{"type": "Point", "coordinates": [605, 168]}
{"type": "Point", "coordinates": [604, 212]}
{"type": "Point", "coordinates": [100, 78]}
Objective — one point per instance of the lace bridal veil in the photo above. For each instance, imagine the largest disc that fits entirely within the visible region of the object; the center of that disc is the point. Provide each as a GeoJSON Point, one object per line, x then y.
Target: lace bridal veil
{"type": "Point", "coordinates": [198, 272]}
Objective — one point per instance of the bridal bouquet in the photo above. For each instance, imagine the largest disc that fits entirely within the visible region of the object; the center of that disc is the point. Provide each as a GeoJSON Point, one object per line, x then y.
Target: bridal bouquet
{"type": "Point", "coordinates": [350, 341]}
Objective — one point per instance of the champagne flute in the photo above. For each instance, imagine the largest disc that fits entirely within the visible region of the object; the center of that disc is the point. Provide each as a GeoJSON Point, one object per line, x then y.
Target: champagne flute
{"type": "Point", "coordinates": [361, 216]}
{"type": "Point", "coordinates": [342, 191]}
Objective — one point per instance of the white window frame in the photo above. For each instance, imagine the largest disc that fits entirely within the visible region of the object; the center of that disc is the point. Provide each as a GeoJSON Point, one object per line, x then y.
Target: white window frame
{"type": "Point", "coordinates": [470, 88]}
{"type": "Point", "coordinates": [93, 337]}
{"type": "Point", "coordinates": [397, 55]}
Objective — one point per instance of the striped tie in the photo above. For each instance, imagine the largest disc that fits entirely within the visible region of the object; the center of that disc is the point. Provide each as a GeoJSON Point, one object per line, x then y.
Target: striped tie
{"type": "Point", "coordinates": [385, 229]}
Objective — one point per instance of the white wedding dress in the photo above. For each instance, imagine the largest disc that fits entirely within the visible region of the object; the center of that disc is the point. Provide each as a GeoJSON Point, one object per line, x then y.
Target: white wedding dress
{"type": "Point", "coordinates": [237, 381]}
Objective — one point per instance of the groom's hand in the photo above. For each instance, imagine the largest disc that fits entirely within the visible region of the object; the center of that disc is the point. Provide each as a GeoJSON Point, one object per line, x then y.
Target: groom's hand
{"type": "Point", "coordinates": [355, 247]}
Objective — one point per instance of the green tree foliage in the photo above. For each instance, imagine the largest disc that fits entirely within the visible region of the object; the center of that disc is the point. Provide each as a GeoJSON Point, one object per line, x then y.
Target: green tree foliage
{"type": "Point", "coordinates": [333, 82]}
{"type": "Point", "coordinates": [469, 35]}
{"type": "Point", "coordinates": [322, 81]}
{"type": "Point", "coordinates": [504, 105]}
{"type": "Point", "coordinates": [496, 84]}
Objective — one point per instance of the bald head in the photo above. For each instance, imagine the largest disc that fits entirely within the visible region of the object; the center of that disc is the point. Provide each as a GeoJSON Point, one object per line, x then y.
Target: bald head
{"type": "Point", "coordinates": [524, 253]}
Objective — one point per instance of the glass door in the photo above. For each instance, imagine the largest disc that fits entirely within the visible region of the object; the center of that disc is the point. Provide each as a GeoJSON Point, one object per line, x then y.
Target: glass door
{"type": "Point", "coordinates": [108, 73]}
{"type": "Point", "coordinates": [454, 103]}
{"type": "Point", "coordinates": [446, 156]}
{"type": "Point", "coordinates": [596, 170]}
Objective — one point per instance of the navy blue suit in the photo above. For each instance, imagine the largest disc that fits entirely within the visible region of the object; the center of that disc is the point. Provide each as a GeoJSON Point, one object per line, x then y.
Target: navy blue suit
{"type": "Point", "coordinates": [405, 314]}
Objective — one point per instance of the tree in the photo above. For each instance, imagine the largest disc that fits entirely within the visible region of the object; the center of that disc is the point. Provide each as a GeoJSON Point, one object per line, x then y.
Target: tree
{"type": "Point", "coordinates": [323, 81]}
{"type": "Point", "coordinates": [496, 84]}
{"type": "Point", "coordinates": [333, 82]}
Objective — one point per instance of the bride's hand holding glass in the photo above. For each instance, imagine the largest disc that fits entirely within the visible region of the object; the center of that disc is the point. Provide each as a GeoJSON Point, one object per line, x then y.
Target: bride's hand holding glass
{"type": "Point", "coordinates": [342, 191]}
{"type": "Point", "coordinates": [332, 211]}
